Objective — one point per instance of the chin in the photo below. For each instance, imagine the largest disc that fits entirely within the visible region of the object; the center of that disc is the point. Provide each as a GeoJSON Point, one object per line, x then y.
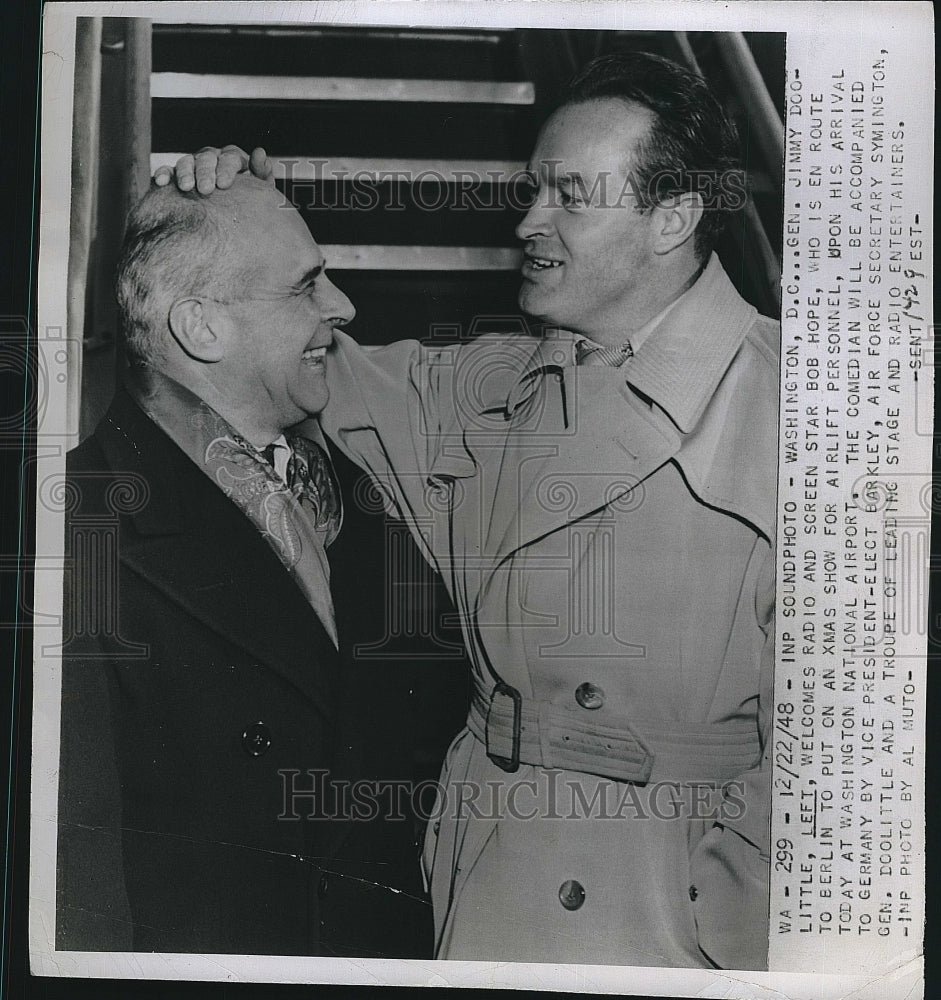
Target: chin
{"type": "Point", "coordinates": [538, 305]}
{"type": "Point", "coordinates": [532, 301]}
{"type": "Point", "coordinates": [312, 400]}
{"type": "Point", "coordinates": [318, 400]}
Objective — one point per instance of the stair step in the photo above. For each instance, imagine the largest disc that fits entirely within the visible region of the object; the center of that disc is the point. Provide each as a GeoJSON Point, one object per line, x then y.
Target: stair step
{"type": "Point", "coordinates": [427, 213]}
{"type": "Point", "coordinates": [392, 217]}
{"type": "Point", "coordinates": [343, 169]}
{"type": "Point", "coordinates": [292, 50]}
{"type": "Point", "coordinates": [200, 86]}
{"type": "Point", "coordinates": [341, 257]}
{"type": "Point", "coordinates": [417, 304]}
{"type": "Point", "coordinates": [348, 128]}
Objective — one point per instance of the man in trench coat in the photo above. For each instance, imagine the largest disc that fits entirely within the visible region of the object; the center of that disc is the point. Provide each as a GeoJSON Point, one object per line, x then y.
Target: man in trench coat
{"type": "Point", "coordinates": [600, 503]}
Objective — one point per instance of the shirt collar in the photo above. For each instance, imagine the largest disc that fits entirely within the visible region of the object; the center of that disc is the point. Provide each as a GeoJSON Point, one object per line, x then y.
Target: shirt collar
{"type": "Point", "coordinates": [680, 367]}
{"type": "Point", "coordinates": [282, 452]}
{"type": "Point", "coordinates": [639, 336]}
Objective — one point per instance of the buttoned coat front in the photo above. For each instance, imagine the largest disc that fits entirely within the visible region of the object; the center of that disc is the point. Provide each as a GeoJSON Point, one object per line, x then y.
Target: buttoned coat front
{"type": "Point", "coordinates": [607, 538]}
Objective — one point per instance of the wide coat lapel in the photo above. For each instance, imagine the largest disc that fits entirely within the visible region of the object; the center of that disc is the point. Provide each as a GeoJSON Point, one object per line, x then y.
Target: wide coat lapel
{"type": "Point", "coordinates": [713, 366]}
{"type": "Point", "coordinates": [553, 443]}
{"type": "Point", "coordinates": [203, 553]}
{"type": "Point", "coordinates": [573, 440]}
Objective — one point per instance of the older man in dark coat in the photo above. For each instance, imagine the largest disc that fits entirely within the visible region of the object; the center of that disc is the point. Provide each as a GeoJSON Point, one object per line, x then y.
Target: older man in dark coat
{"type": "Point", "coordinates": [200, 657]}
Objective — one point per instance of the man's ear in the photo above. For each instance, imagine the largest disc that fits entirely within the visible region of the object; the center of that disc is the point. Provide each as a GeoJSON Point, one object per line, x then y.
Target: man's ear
{"type": "Point", "coordinates": [195, 327]}
{"type": "Point", "coordinates": [676, 221]}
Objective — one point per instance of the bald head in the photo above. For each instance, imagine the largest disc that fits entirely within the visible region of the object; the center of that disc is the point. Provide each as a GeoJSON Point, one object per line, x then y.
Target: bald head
{"type": "Point", "coordinates": [181, 243]}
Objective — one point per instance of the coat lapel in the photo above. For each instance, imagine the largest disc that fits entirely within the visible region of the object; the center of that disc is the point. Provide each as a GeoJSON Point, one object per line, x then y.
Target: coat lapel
{"type": "Point", "coordinates": [713, 367]}
{"type": "Point", "coordinates": [563, 442]}
{"type": "Point", "coordinates": [574, 440]}
{"type": "Point", "coordinates": [199, 549]}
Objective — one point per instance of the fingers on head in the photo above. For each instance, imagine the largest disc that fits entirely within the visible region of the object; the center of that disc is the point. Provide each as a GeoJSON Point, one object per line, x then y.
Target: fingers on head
{"type": "Point", "coordinates": [185, 178]}
{"type": "Point", "coordinates": [232, 162]}
{"type": "Point", "coordinates": [206, 162]}
{"type": "Point", "coordinates": [260, 164]}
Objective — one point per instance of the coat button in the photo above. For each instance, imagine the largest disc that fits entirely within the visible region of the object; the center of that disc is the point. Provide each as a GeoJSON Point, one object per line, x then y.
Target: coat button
{"type": "Point", "coordinates": [571, 894]}
{"type": "Point", "coordinates": [256, 739]}
{"type": "Point", "coordinates": [589, 695]}
{"type": "Point", "coordinates": [693, 893]}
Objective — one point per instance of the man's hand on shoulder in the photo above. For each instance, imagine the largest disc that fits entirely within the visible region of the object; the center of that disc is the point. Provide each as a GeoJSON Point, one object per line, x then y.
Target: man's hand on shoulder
{"type": "Point", "coordinates": [210, 168]}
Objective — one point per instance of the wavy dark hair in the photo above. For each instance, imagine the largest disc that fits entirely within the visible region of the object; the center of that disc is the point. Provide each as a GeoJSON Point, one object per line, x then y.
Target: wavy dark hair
{"type": "Point", "coordinates": [693, 144]}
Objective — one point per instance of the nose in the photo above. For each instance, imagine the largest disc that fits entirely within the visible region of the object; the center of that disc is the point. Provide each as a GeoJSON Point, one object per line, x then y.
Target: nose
{"type": "Point", "coordinates": [340, 310]}
{"type": "Point", "coordinates": [538, 220]}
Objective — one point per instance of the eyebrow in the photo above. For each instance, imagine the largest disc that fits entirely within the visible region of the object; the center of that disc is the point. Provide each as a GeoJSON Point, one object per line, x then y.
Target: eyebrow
{"type": "Point", "coordinates": [568, 179]}
{"type": "Point", "coordinates": [309, 277]}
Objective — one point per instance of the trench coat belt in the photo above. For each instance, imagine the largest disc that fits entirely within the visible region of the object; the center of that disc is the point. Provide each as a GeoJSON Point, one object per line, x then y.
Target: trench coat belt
{"type": "Point", "coordinates": [518, 730]}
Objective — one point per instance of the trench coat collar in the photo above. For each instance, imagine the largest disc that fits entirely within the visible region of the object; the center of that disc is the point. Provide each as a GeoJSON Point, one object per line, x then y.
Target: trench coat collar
{"type": "Point", "coordinates": [680, 364]}
{"type": "Point", "coordinates": [192, 543]}
{"type": "Point", "coordinates": [574, 440]}
{"type": "Point", "coordinates": [717, 420]}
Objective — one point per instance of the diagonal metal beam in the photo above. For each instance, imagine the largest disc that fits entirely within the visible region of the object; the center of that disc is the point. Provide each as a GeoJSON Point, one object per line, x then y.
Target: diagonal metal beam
{"type": "Point", "coordinates": [768, 258]}
{"type": "Point", "coordinates": [766, 122]}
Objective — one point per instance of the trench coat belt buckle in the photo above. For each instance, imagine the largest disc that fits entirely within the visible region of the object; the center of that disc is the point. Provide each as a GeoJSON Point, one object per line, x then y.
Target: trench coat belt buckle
{"type": "Point", "coordinates": [515, 729]}
{"type": "Point", "coordinates": [505, 699]}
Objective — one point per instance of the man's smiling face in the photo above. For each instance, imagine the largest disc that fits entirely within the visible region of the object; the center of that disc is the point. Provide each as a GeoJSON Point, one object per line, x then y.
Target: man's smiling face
{"type": "Point", "coordinates": [281, 326]}
{"type": "Point", "coordinates": [587, 247]}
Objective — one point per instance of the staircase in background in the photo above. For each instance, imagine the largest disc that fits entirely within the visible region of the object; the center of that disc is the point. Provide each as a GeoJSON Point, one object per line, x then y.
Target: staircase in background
{"type": "Point", "coordinates": [401, 148]}
{"type": "Point", "coordinates": [419, 133]}
{"type": "Point", "coordinates": [411, 137]}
